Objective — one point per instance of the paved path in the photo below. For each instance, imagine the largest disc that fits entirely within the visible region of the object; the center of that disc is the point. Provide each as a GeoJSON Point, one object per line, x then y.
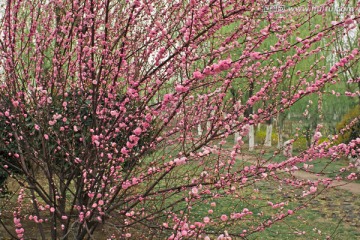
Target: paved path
{"type": "Point", "coordinates": [348, 186]}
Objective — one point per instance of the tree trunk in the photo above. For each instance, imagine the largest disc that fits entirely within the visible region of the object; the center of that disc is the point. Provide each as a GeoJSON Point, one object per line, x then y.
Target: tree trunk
{"type": "Point", "coordinates": [269, 128]}
{"type": "Point", "coordinates": [280, 139]}
{"type": "Point", "coordinates": [251, 138]}
{"type": "Point", "coordinates": [208, 123]}
{"type": "Point", "coordinates": [237, 108]}
{"type": "Point", "coordinates": [248, 113]}
{"type": "Point", "coordinates": [236, 136]}
{"type": "Point", "coordinates": [281, 118]}
{"type": "Point", "coordinates": [199, 129]}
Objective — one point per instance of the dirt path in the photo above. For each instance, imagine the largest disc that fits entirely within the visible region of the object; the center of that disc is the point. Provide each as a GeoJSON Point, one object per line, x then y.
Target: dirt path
{"type": "Point", "coordinates": [348, 186]}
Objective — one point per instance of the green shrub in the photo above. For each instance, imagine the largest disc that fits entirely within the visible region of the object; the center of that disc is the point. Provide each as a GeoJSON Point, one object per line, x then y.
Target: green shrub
{"type": "Point", "coordinates": [352, 133]}
{"type": "Point", "coordinates": [260, 136]}
{"type": "Point", "coordinates": [323, 139]}
{"type": "Point", "coordinates": [300, 144]}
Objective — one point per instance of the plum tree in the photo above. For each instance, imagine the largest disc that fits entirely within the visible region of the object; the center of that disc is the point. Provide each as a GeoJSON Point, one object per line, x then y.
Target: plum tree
{"type": "Point", "coordinates": [102, 100]}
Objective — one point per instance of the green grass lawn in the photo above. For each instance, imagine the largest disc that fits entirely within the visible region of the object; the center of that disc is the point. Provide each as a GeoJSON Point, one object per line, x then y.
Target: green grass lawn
{"type": "Point", "coordinates": [323, 166]}
{"type": "Point", "coordinates": [333, 213]}
{"type": "Point", "coordinates": [316, 219]}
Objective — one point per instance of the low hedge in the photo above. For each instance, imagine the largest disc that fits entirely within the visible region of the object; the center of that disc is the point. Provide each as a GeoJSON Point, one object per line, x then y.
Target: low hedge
{"type": "Point", "coordinates": [260, 136]}
{"type": "Point", "coordinates": [350, 133]}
